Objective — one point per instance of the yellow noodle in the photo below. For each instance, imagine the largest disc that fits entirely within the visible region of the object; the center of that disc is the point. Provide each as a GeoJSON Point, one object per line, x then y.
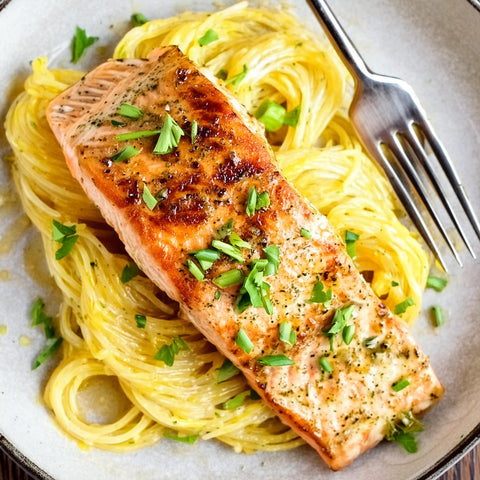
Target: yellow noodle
{"type": "Point", "coordinates": [321, 156]}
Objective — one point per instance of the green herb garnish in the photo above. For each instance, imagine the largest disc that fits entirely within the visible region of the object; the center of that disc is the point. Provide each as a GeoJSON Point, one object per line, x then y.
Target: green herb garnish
{"type": "Point", "coordinates": [122, 137]}
{"type": "Point", "coordinates": [195, 270]}
{"type": "Point", "coordinates": [236, 79]}
{"type": "Point", "coordinates": [52, 346]}
{"type": "Point", "coordinates": [130, 111]}
{"type": "Point", "coordinates": [437, 283]}
{"type": "Point", "coordinates": [222, 74]}
{"type": "Point", "coordinates": [138, 19]}
{"type": "Point", "coordinates": [225, 230]}
{"type": "Point", "coordinates": [271, 114]}
{"type": "Point", "coordinates": [292, 117]}
{"type": "Point", "coordinates": [272, 252]}
{"type": "Point", "coordinates": [227, 371]}
{"type": "Point", "coordinates": [256, 201]}
{"type": "Point", "coordinates": [190, 439]}
{"type": "Point", "coordinates": [400, 384]}
{"type": "Point", "coordinates": [339, 324]}
{"type": "Point", "coordinates": [438, 317]}
{"type": "Point", "coordinates": [124, 154]}
{"type": "Point", "coordinates": [167, 353]}
{"type": "Point", "coordinates": [39, 317]}
{"type": "Point", "coordinates": [169, 137]}
{"type": "Point", "coordinates": [194, 131]}
{"type": "Point", "coordinates": [235, 402]}
{"type": "Point", "coordinates": [130, 270]}
{"type": "Point", "coordinates": [148, 198]}
{"type": "Point", "coordinates": [402, 306]}
{"type": "Point", "coordinates": [325, 364]}
{"type": "Point", "coordinates": [402, 432]}
{"type": "Point", "coordinates": [80, 43]}
{"type": "Point", "coordinates": [347, 334]}
{"type": "Point", "coordinates": [275, 361]}
{"type": "Point", "coordinates": [141, 320]}
{"type": "Point", "coordinates": [350, 239]}
{"type": "Point", "coordinates": [287, 334]}
{"type": "Point", "coordinates": [209, 37]}
{"type": "Point", "coordinates": [228, 249]}
{"type": "Point", "coordinates": [66, 235]}
{"type": "Point", "coordinates": [305, 233]}
{"type": "Point", "coordinates": [236, 241]}
{"type": "Point", "coordinates": [243, 341]}
{"type": "Point", "coordinates": [227, 279]}
{"type": "Point", "coordinates": [206, 257]}
{"type": "Point", "coordinates": [319, 295]}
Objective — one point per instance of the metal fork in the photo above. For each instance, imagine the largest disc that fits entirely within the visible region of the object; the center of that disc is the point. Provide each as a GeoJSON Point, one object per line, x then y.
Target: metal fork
{"type": "Point", "coordinates": [394, 129]}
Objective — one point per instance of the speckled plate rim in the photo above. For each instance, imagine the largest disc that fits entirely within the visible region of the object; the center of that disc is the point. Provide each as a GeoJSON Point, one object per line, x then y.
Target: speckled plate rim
{"type": "Point", "coordinates": [468, 443]}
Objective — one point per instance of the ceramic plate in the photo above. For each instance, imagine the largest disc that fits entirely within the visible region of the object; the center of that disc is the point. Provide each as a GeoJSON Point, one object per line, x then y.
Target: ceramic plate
{"type": "Point", "coordinates": [434, 45]}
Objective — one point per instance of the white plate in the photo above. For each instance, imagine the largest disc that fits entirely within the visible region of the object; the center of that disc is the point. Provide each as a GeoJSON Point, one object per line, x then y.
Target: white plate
{"type": "Point", "coordinates": [434, 45]}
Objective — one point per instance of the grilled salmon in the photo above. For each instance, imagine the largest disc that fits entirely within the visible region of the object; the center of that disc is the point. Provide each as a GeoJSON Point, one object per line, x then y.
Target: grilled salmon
{"type": "Point", "coordinates": [210, 219]}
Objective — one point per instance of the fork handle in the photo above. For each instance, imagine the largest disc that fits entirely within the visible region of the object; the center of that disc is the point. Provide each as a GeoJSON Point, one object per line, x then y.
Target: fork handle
{"type": "Point", "coordinates": [340, 40]}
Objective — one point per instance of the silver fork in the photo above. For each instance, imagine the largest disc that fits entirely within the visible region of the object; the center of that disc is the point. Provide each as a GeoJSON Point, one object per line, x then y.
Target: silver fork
{"type": "Point", "coordinates": [394, 129]}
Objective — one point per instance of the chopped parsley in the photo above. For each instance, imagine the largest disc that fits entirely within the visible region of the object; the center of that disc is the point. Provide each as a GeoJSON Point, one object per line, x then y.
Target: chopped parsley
{"type": "Point", "coordinates": [130, 270]}
{"type": "Point", "coordinates": [66, 235]}
{"type": "Point", "coordinates": [400, 384]}
{"type": "Point", "coordinates": [339, 324]}
{"type": "Point", "coordinates": [194, 131]}
{"type": "Point", "coordinates": [130, 111]}
{"type": "Point", "coordinates": [325, 364]}
{"type": "Point", "coordinates": [438, 316]}
{"type": "Point", "coordinates": [319, 295]}
{"type": "Point", "coordinates": [437, 283]}
{"type": "Point", "coordinates": [287, 334]}
{"type": "Point", "coordinates": [403, 432]}
{"type": "Point", "coordinates": [138, 19]}
{"type": "Point", "coordinates": [274, 116]}
{"type": "Point", "coordinates": [122, 137]}
{"type": "Point", "coordinates": [148, 198]}
{"type": "Point", "coordinates": [169, 137]}
{"type": "Point", "coordinates": [80, 43]}
{"type": "Point", "coordinates": [305, 233]}
{"type": "Point", "coordinates": [124, 154]}
{"type": "Point", "coordinates": [227, 279]}
{"type": "Point", "coordinates": [238, 78]}
{"type": "Point", "coordinates": [243, 341]}
{"type": "Point", "coordinates": [402, 306]}
{"type": "Point", "coordinates": [141, 320]}
{"type": "Point", "coordinates": [195, 270]}
{"type": "Point", "coordinates": [190, 439]}
{"type": "Point", "coordinates": [235, 402]}
{"type": "Point", "coordinates": [39, 317]}
{"type": "Point", "coordinates": [350, 239]}
{"type": "Point", "coordinates": [206, 257]}
{"type": "Point", "coordinates": [227, 371]}
{"type": "Point", "coordinates": [209, 37]}
{"type": "Point", "coordinates": [275, 361]}
{"type": "Point", "coordinates": [52, 346]}
{"type": "Point", "coordinates": [256, 201]}
{"type": "Point", "coordinates": [167, 353]}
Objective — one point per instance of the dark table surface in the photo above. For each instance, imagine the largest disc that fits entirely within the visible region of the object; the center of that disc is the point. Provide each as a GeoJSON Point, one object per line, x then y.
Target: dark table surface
{"type": "Point", "coordinates": [466, 469]}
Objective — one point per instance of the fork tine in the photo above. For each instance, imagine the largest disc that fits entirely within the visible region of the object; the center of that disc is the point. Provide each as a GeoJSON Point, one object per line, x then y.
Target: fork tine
{"type": "Point", "coordinates": [406, 200]}
{"type": "Point", "coordinates": [399, 153]}
{"type": "Point", "coordinates": [413, 141]}
{"type": "Point", "coordinates": [445, 162]}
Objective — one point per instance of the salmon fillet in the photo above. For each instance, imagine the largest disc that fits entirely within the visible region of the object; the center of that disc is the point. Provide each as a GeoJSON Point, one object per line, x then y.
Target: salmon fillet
{"type": "Point", "coordinates": [200, 186]}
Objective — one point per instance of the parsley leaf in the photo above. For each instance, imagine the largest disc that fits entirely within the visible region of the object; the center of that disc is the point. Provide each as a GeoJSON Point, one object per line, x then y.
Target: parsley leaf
{"type": "Point", "coordinates": [80, 43]}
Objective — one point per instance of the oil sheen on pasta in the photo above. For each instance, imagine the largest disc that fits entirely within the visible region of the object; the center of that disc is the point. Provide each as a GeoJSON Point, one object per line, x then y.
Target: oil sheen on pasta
{"type": "Point", "coordinates": [321, 157]}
